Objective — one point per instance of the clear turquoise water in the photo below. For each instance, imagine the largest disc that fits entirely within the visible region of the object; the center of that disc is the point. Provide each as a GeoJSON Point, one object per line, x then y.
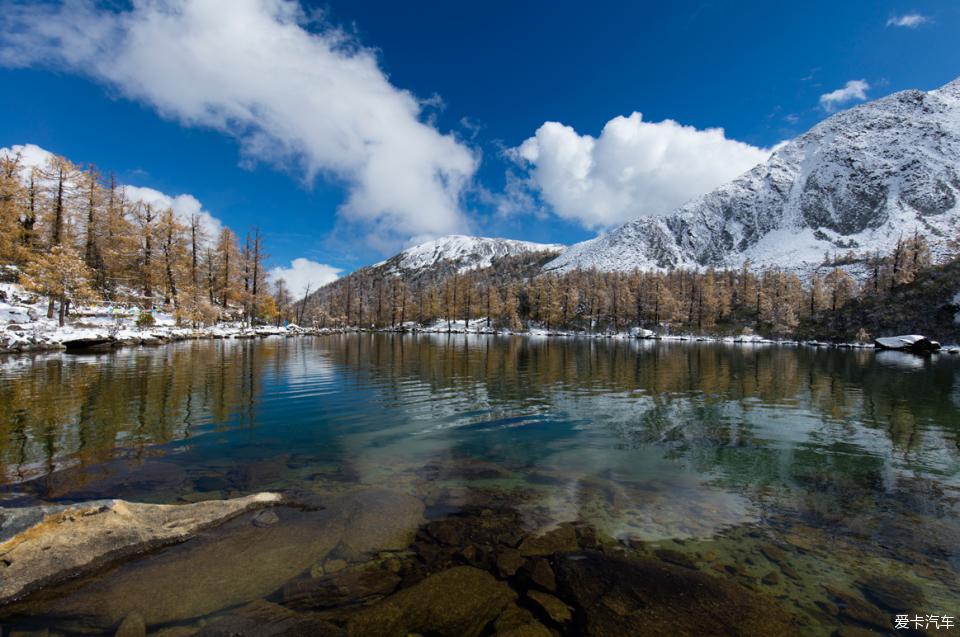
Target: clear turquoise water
{"type": "Point", "coordinates": [851, 457]}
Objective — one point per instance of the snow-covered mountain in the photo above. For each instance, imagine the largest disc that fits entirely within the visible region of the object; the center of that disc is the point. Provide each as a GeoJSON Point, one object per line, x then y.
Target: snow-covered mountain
{"type": "Point", "coordinates": [857, 182]}
{"type": "Point", "coordinates": [461, 252]}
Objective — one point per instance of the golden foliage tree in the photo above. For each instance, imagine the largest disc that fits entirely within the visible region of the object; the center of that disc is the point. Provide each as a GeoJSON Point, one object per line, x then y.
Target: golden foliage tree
{"type": "Point", "coordinates": [62, 275]}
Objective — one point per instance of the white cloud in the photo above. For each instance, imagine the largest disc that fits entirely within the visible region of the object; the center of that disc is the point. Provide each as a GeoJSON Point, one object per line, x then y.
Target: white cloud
{"type": "Point", "coordinates": [633, 169]}
{"type": "Point", "coordinates": [293, 92]}
{"type": "Point", "coordinates": [851, 91]}
{"type": "Point", "coordinates": [184, 206]}
{"type": "Point", "coordinates": [31, 155]}
{"type": "Point", "coordinates": [303, 272]}
{"type": "Point", "coordinates": [909, 20]}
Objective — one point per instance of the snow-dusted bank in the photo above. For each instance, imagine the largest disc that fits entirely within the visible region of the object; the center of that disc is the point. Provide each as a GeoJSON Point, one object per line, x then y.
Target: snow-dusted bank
{"type": "Point", "coordinates": [479, 327]}
{"type": "Point", "coordinates": [24, 327]}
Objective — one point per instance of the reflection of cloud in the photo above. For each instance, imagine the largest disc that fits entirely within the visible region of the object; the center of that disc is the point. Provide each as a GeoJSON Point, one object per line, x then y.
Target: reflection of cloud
{"type": "Point", "coordinates": [308, 364]}
{"type": "Point", "coordinates": [903, 360]}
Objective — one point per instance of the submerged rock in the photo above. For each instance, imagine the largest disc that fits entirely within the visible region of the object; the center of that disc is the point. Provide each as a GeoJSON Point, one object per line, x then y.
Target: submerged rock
{"type": "Point", "coordinates": [617, 597]}
{"type": "Point", "coordinates": [562, 539]}
{"type": "Point", "coordinates": [47, 544]}
{"type": "Point", "coordinates": [856, 610]}
{"type": "Point", "coordinates": [132, 626]}
{"type": "Point", "coordinates": [263, 619]}
{"type": "Point", "coordinates": [519, 622]}
{"type": "Point", "coordinates": [265, 518]}
{"type": "Point", "coordinates": [556, 610]}
{"type": "Point", "coordinates": [458, 602]}
{"type": "Point", "coordinates": [893, 593]}
{"type": "Point", "coordinates": [676, 557]}
{"type": "Point", "coordinates": [508, 562]}
{"type": "Point", "coordinates": [379, 520]}
{"type": "Point", "coordinates": [539, 573]}
{"type": "Point", "coordinates": [347, 587]}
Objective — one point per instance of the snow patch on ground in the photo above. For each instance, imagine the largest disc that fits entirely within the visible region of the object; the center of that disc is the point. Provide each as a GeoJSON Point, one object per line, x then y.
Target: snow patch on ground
{"type": "Point", "coordinates": [24, 325]}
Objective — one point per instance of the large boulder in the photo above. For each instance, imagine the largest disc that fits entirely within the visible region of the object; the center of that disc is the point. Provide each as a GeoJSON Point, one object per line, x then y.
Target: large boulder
{"type": "Point", "coordinates": [907, 343]}
{"type": "Point", "coordinates": [45, 544]}
{"type": "Point", "coordinates": [238, 562]}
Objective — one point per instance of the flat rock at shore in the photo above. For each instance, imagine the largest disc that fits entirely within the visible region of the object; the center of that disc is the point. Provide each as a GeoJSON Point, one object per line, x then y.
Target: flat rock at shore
{"type": "Point", "coordinates": [46, 544]}
{"type": "Point", "coordinates": [237, 562]}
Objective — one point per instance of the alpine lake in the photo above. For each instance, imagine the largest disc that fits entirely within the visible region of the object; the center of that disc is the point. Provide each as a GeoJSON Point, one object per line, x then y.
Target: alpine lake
{"type": "Point", "coordinates": [495, 485]}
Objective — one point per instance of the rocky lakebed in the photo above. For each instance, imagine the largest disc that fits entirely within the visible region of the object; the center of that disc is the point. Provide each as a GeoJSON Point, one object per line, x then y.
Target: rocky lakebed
{"type": "Point", "coordinates": [375, 562]}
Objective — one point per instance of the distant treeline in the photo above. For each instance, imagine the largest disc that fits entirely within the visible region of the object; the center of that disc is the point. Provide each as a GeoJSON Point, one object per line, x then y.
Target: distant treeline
{"type": "Point", "coordinates": [77, 237]}
{"type": "Point", "coordinates": [512, 294]}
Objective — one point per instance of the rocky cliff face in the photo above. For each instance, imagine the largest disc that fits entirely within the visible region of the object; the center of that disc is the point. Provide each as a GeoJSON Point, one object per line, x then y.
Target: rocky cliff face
{"type": "Point", "coordinates": [855, 182]}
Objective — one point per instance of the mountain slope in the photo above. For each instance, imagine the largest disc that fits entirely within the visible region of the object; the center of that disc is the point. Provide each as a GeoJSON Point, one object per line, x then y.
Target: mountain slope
{"type": "Point", "coordinates": [459, 252]}
{"type": "Point", "coordinates": [855, 182]}
{"type": "Point", "coordinates": [500, 261]}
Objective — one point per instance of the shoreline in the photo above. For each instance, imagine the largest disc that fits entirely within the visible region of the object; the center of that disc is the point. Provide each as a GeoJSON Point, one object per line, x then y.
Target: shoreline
{"type": "Point", "coordinates": [78, 338]}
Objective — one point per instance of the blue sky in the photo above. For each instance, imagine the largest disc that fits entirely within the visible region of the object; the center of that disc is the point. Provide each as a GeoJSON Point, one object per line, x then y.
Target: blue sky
{"type": "Point", "coordinates": [386, 122]}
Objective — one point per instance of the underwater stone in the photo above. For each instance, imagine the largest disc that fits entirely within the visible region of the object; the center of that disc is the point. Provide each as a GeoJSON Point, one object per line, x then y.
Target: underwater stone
{"type": "Point", "coordinates": [265, 518]}
{"type": "Point", "coordinates": [538, 571]}
{"type": "Point", "coordinates": [341, 588]}
{"type": "Point", "coordinates": [555, 609]}
{"type": "Point", "coordinates": [562, 539]}
{"type": "Point", "coordinates": [132, 626]}
{"type": "Point", "coordinates": [458, 602]}
{"type": "Point", "coordinates": [263, 619]}
{"type": "Point", "coordinates": [675, 557]}
{"type": "Point", "coordinates": [619, 597]}
{"type": "Point", "coordinates": [509, 562]}
{"type": "Point", "coordinates": [893, 593]}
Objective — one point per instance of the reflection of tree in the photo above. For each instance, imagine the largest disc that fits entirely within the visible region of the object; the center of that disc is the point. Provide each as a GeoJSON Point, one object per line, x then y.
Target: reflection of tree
{"type": "Point", "coordinates": [714, 406]}
{"type": "Point", "coordinates": [695, 397]}
{"type": "Point", "coordinates": [62, 407]}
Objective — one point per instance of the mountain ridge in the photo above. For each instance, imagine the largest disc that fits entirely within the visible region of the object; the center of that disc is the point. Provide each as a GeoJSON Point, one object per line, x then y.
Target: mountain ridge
{"type": "Point", "coordinates": [857, 181]}
{"type": "Point", "coordinates": [466, 252]}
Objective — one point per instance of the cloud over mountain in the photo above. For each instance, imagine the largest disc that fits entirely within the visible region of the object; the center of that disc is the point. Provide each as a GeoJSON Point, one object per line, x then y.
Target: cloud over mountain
{"type": "Point", "coordinates": [634, 168]}
{"type": "Point", "coordinates": [854, 90]}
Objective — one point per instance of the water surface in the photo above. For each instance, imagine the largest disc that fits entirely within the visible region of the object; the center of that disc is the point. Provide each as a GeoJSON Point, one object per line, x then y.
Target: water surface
{"type": "Point", "coordinates": [848, 460]}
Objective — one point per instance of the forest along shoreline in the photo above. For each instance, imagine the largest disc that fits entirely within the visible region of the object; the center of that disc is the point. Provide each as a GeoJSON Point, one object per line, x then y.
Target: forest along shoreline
{"type": "Point", "coordinates": [85, 264]}
{"type": "Point", "coordinates": [104, 332]}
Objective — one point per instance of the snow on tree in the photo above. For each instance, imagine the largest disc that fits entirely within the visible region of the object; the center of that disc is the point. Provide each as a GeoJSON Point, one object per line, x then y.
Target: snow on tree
{"type": "Point", "coordinates": [61, 275]}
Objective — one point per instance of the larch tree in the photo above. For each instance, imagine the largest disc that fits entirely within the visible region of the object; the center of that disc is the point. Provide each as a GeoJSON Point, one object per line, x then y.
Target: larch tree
{"type": "Point", "coordinates": [62, 275]}
{"type": "Point", "coordinates": [12, 196]}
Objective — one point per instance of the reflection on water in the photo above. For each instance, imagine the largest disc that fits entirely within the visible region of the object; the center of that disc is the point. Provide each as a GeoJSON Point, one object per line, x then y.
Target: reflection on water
{"type": "Point", "coordinates": [842, 455]}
